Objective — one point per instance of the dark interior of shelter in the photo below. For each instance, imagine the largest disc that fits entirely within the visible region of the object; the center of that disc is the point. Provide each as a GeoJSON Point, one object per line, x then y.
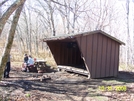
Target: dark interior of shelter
{"type": "Point", "coordinates": [66, 53]}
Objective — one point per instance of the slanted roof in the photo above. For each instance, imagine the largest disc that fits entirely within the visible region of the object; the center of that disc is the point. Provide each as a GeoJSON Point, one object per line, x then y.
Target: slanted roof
{"type": "Point", "coordinates": [72, 36]}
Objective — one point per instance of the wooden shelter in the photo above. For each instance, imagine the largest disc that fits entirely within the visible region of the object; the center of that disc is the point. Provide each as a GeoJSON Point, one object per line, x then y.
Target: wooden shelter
{"type": "Point", "coordinates": [95, 52]}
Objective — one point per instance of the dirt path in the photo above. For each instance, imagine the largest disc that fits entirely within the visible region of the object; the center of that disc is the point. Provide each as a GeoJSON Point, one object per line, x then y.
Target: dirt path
{"type": "Point", "coordinates": [23, 86]}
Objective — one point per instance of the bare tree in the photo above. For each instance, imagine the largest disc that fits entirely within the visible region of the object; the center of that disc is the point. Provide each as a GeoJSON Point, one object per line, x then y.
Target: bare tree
{"type": "Point", "coordinates": [50, 17]}
{"type": "Point", "coordinates": [0, 12]}
{"type": "Point", "coordinates": [9, 11]}
{"type": "Point", "coordinates": [9, 43]}
{"type": "Point", "coordinates": [29, 31]}
{"type": "Point", "coordinates": [27, 20]}
{"type": "Point", "coordinates": [51, 11]}
{"type": "Point", "coordinates": [71, 13]}
{"type": "Point", "coordinates": [21, 39]}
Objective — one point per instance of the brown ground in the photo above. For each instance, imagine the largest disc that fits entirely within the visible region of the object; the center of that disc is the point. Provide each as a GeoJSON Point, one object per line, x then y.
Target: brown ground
{"type": "Point", "coordinates": [63, 86]}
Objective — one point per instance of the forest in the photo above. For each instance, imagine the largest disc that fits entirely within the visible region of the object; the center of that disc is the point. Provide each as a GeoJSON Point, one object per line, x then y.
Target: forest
{"type": "Point", "coordinates": [25, 23]}
{"type": "Point", "coordinates": [46, 18]}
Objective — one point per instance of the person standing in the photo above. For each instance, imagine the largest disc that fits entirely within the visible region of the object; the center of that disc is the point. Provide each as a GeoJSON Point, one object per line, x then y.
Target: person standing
{"type": "Point", "coordinates": [7, 69]}
{"type": "Point", "coordinates": [26, 59]}
{"type": "Point", "coordinates": [25, 63]}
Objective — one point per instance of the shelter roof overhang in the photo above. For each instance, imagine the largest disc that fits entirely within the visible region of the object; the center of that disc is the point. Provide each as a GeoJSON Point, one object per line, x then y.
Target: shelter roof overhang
{"type": "Point", "coordinates": [72, 37]}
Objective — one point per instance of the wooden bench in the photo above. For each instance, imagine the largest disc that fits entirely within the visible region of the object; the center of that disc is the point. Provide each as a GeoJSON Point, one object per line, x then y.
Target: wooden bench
{"type": "Point", "coordinates": [73, 69]}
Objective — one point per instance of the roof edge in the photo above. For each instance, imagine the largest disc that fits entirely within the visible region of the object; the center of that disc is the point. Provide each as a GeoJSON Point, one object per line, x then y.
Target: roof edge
{"type": "Point", "coordinates": [102, 32]}
{"type": "Point", "coordinates": [71, 36]}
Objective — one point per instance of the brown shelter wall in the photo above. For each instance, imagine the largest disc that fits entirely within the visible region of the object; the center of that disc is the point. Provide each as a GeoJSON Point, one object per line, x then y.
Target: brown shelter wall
{"type": "Point", "coordinates": [66, 53]}
{"type": "Point", "coordinates": [101, 55]}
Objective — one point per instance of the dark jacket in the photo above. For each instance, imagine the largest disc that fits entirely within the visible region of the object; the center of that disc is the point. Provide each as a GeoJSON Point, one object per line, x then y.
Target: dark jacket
{"type": "Point", "coordinates": [25, 59]}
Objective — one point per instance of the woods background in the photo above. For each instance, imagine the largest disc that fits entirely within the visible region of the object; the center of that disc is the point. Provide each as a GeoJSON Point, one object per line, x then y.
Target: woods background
{"type": "Point", "coordinates": [45, 18]}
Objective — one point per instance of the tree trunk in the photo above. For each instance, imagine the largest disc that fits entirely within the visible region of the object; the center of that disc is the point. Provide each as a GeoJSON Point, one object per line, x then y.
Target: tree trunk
{"type": "Point", "coordinates": [67, 10]}
{"type": "Point", "coordinates": [128, 36]}
{"type": "Point", "coordinates": [51, 18]}
{"type": "Point", "coordinates": [36, 37]}
{"type": "Point", "coordinates": [9, 11]}
{"type": "Point", "coordinates": [28, 34]}
{"type": "Point", "coordinates": [21, 38]}
{"type": "Point", "coordinates": [9, 43]}
{"type": "Point", "coordinates": [0, 12]}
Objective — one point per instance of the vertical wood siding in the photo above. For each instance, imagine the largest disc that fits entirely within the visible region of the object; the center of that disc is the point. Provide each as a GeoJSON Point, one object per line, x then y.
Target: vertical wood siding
{"type": "Point", "coordinates": [108, 58]}
{"type": "Point", "coordinates": [112, 65]}
{"type": "Point", "coordinates": [89, 53]}
{"type": "Point", "coordinates": [64, 55]}
{"type": "Point", "coordinates": [101, 54]}
{"type": "Point", "coordinates": [104, 55]}
{"type": "Point", "coordinates": [94, 55]}
{"type": "Point", "coordinates": [116, 59]}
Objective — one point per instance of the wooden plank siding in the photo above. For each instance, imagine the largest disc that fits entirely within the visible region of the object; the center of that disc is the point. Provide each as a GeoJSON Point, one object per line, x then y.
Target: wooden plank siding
{"type": "Point", "coordinates": [57, 50]}
{"type": "Point", "coordinates": [116, 58]}
{"type": "Point", "coordinates": [61, 55]}
{"type": "Point", "coordinates": [52, 48]}
{"type": "Point", "coordinates": [84, 46]}
{"type": "Point", "coordinates": [94, 55]}
{"type": "Point", "coordinates": [87, 47]}
{"type": "Point", "coordinates": [79, 45]}
{"type": "Point", "coordinates": [100, 53]}
{"type": "Point", "coordinates": [89, 53]}
{"type": "Point", "coordinates": [108, 58]}
{"type": "Point", "coordinates": [112, 66]}
{"type": "Point", "coordinates": [104, 55]}
{"type": "Point", "coordinates": [99, 56]}
{"type": "Point", "coordinates": [64, 55]}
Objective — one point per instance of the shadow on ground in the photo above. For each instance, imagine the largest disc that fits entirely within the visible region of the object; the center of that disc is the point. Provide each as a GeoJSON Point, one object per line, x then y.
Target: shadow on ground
{"type": "Point", "coordinates": [69, 84]}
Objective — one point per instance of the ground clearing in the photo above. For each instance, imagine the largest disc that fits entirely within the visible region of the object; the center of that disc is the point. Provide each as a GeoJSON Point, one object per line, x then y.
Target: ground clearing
{"type": "Point", "coordinates": [65, 86]}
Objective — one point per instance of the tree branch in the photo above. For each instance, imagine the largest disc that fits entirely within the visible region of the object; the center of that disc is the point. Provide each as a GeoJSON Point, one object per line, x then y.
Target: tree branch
{"type": "Point", "coordinates": [2, 3]}
{"type": "Point", "coordinates": [9, 11]}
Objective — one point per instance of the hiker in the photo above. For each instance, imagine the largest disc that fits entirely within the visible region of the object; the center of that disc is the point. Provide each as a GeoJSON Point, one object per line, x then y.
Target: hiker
{"type": "Point", "coordinates": [30, 63]}
{"type": "Point", "coordinates": [26, 59]}
{"type": "Point", "coordinates": [25, 64]}
{"type": "Point", "coordinates": [7, 68]}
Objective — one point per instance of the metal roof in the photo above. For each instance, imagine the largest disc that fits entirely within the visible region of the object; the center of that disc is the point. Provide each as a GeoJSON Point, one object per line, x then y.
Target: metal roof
{"type": "Point", "coordinates": [72, 36]}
